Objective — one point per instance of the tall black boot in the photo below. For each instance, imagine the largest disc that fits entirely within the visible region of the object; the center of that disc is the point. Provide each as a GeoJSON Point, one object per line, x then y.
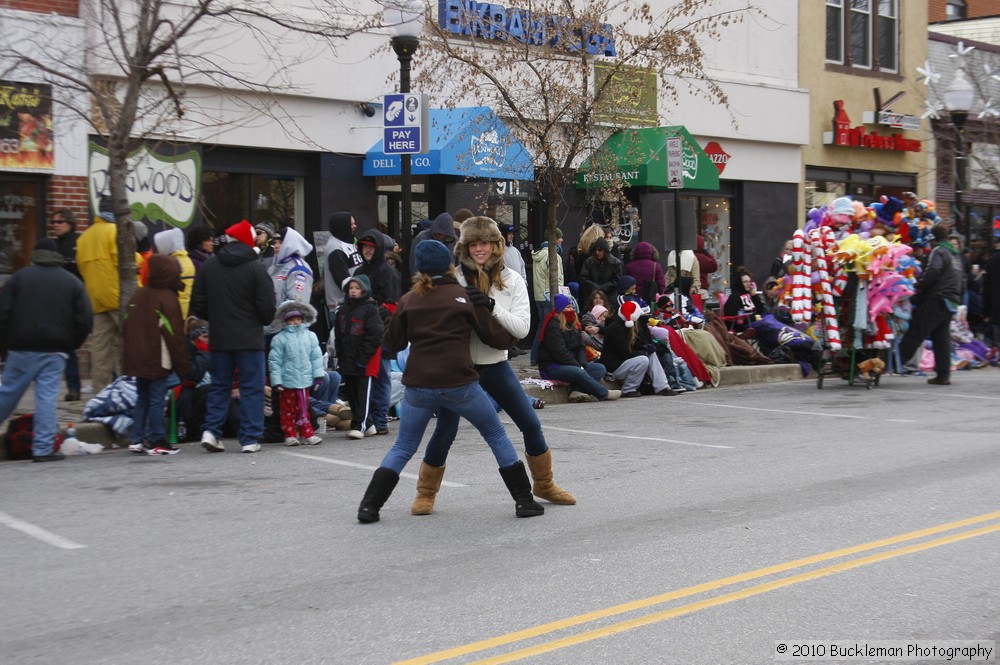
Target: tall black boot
{"type": "Point", "coordinates": [383, 482]}
{"type": "Point", "coordinates": [516, 480]}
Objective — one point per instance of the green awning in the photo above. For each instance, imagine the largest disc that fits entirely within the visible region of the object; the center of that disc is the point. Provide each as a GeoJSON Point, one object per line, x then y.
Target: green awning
{"type": "Point", "coordinates": [638, 158]}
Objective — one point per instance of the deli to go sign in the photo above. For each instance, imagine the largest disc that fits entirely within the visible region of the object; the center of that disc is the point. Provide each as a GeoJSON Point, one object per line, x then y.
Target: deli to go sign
{"type": "Point", "coordinates": [161, 187]}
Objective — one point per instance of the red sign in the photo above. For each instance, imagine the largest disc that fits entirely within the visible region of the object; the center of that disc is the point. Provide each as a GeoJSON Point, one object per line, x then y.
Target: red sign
{"type": "Point", "coordinates": [718, 156]}
{"type": "Point", "coordinates": [859, 137]}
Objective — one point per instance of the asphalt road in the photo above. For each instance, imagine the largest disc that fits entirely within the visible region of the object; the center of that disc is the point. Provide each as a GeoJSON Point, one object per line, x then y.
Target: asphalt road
{"type": "Point", "coordinates": [711, 528]}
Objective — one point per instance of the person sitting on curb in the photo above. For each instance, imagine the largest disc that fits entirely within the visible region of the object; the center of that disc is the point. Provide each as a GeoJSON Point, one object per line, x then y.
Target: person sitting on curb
{"type": "Point", "coordinates": [562, 355]}
{"type": "Point", "coordinates": [629, 352]}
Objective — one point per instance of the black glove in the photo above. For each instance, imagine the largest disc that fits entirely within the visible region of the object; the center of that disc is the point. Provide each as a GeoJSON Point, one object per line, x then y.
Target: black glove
{"type": "Point", "coordinates": [480, 299]}
{"type": "Point", "coordinates": [648, 347]}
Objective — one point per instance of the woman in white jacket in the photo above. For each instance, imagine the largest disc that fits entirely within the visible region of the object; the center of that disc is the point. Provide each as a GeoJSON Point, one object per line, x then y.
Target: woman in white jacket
{"type": "Point", "coordinates": [480, 250]}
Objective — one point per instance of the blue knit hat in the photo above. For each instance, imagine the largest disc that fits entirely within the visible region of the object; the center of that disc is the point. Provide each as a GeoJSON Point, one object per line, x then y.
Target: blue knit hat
{"type": "Point", "coordinates": [432, 257]}
{"type": "Point", "coordinates": [560, 302]}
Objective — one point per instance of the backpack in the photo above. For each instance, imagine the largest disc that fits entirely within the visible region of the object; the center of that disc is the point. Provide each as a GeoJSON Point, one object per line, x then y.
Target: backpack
{"type": "Point", "coordinates": [20, 433]}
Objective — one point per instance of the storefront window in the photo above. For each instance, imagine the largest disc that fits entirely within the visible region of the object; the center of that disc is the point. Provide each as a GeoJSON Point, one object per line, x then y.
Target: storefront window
{"type": "Point", "coordinates": [20, 221]}
{"type": "Point", "coordinates": [714, 226]}
{"type": "Point", "coordinates": [229, 197]}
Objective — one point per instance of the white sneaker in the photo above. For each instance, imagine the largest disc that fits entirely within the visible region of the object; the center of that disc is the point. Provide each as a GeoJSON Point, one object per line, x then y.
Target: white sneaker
{"type": "Point", "coordinates": [370, 431]}
{"type": "Point", "coordinates": [291, 441]}
{"type": "Point", "coordinates": [313, 441]}
{"type": "Point", "coordinates": [355, 434]}
{"type": "Point", "coordinates": [252, 448]}
{"type": "Point", "coordinates": [137, 448]}
{"type": "Point", "coordinates": [210, 443]}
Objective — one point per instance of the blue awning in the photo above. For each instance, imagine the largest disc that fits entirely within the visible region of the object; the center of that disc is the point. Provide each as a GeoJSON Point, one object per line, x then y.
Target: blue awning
{"type": "Point", "coordinates": [471, 142]}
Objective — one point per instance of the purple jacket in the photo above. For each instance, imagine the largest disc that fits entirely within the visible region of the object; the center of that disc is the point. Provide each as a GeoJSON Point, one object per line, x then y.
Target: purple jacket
{"type": "Point", "coordinates": [644, 268]}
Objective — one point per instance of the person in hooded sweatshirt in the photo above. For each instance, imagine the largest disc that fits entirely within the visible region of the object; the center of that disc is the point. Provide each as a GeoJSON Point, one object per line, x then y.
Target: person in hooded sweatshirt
{"type": "Point", "coordinates": [291, 275]}
{"type": "Point", "coordinates": [235, 295]}
{"type": "Point", "coordinates": [296, 365]}
{"type": "Point", "coordinates": [441, 229]}
{"type": "Point", "coordinates": [342, 259]}
{"type": "Point", "coordinates": [646, 270]}
{"type": "Point", "coordinates": [358, 338]}
{"type": "Point", "coordinates": [171, 243]}
{"type": "Point", "coordinates": [600, 271]}
{"type": "Point", "coordinates": [387, 288]}
{"type": "Point", "coordinates": [155, 346]}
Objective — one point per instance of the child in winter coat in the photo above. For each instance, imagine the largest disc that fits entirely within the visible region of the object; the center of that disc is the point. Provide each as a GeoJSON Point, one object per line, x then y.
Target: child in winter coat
{"type": "Point", "coordinates": [358, 342]}
{"type": "Point", "coordinates": [295, 363]}
{"type": "Point", "coordinates": [154, 341]}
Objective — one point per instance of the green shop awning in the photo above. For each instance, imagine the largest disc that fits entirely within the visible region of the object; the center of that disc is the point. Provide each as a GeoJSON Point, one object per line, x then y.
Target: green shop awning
{"type": "Point", "coordinates": [638, 158]}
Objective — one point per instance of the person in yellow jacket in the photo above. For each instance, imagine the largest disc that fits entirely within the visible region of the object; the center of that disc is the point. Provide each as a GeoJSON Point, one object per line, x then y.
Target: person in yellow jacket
{"type": "Point", "coordinates": [171, 243]}
{"type": "Point", "coordinates": [97, 260]}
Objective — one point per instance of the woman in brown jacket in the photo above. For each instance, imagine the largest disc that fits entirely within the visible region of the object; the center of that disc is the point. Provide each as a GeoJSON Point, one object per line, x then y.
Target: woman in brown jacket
{"type": "Point", "coordinates": [153, 331]}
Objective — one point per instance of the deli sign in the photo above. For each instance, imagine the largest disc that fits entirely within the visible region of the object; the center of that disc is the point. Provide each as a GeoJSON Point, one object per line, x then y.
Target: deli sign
{"type": "Point", "coordinates": [163, 185]}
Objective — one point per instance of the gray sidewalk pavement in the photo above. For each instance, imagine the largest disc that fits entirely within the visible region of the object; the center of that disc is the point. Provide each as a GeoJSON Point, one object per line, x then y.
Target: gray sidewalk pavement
{"type": "Point", "coordinates": [72, 412]}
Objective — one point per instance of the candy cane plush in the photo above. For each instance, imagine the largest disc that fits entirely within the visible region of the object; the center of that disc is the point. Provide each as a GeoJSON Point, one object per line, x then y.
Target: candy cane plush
{"type": "Point", "coordinates": [824, 290]}
{"type": "Point", "coordinates": [801, 270]}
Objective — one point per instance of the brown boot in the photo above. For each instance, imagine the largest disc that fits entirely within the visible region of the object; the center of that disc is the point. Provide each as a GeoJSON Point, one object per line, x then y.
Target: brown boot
{"type": "Point", "coordinates": [544, 487]}
{"type": "Point", "coordinates": [428, 484]}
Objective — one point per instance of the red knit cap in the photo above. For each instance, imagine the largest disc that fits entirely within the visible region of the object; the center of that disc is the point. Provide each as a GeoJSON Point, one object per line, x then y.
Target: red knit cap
{"type": "Point", "coordinates": [243, 232]}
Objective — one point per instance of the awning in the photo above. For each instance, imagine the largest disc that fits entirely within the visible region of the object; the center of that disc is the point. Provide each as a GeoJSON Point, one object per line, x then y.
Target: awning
{"type": "Point", "coordinates": [638, 158]}
{"type": "Point", "coordinates": [471, 142]}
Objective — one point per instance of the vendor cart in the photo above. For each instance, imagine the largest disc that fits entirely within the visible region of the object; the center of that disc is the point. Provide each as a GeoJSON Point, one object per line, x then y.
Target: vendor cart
{"type": "Point", "coordinates": [843, 362]}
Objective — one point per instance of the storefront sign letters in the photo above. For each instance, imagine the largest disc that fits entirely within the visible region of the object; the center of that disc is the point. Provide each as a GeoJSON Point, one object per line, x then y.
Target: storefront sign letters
{"type": "Point", "coordinates": [486, 148]}
{"type": "Point", "coordinates": [161, 188]}
{"type": "Point", "coordinates": [718, 156]}
{"type": "Point", "coordinates": [486, 20]}
{"type": "Point", "coordinates": [26, 139]}
{"type": "Point", "coordinates": [858, 137]}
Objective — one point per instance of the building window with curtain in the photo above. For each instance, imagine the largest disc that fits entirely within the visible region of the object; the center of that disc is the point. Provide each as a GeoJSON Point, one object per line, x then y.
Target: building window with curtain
{"type": "Point", "coordinates": [956, 10]}
{"type": "Point", "coordinates": [863, 34]}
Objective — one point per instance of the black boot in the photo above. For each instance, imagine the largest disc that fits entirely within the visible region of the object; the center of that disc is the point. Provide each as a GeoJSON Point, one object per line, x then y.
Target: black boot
{"type": "Point", "coordinates": [516, 480]}
{"type": "Point", "coordinates": [383, 482]}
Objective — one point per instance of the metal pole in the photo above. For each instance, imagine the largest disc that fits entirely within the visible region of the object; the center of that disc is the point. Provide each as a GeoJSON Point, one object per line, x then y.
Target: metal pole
{"type": "Point", "coordinates": [677, 251]}
{"type": "Point", "coordinates": [961, 224]}
{"type": "Point", "coordinates": [405, 47]}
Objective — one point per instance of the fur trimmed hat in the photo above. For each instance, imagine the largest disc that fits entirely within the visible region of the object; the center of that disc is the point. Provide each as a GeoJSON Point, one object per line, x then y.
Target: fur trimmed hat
{"type": "Point", "coordinates": [479, 228]}
{"type": "Point", "coordinates": [629, 312]}
{"type": "Point", "coordinates": [432, 257]}
{"type": "Point", "coordinates": [243, 232]}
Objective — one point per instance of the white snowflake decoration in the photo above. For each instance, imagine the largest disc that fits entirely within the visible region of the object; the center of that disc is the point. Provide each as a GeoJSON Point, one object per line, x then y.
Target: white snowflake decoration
{"type": "Point", "coordinates": [934, 109]}
{"type": "Point", "coordinates": [989, 110]}
{"type": "Point", "coordinates": [961, 50]}
{"type": "Point", "coordinates": [930, 76]}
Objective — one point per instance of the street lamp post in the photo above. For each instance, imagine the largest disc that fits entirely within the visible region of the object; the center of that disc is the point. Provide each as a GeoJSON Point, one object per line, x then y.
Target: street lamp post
{"type": "Point", "coordinates": [405, 20]}
{"type": "Point", "coordinates": [958, 99]}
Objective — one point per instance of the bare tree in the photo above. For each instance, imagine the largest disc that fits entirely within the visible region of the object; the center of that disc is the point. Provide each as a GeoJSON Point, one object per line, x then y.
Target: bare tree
{"type": "Point", "coordinates": [564, 79]}
{"type": "Point", "coordinates": [147, 65]}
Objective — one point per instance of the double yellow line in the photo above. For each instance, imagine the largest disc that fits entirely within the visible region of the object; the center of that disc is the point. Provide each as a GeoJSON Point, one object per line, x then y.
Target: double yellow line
{"type": "Point", "coordinates": [656, 617]}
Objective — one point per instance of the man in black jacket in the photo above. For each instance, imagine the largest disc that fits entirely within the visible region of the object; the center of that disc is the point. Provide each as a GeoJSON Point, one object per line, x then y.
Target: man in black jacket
{"type": "Point", "coordinates": [387, 289]}
{"type": "Point", "coordinates": [233, 292]}
{"type": "Point", "coordinates": [938, 294]}
{"type": "Point", "coordinates": [64, 228]}
{"type": "Point", "coordinates": [44, 314]}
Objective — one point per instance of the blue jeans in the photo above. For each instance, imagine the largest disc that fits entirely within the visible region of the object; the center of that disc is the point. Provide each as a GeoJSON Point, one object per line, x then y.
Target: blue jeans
{"type": "Point", "coordinates": [222, 366]}
{"type": "Point", "coordinates": [586, 379]}
{"type": "Point", "coordinates": [147, 414]}
{"type": "Point", "coordinates": [500, 383]}
{"type": "Point", "coordinates": [468, 401]}
{"type": "Point", "coordinates": [542, 307]}
{"type": "Point", "coordinates": [381, 397]}
{"type": "Point", "coordinates": [45, 369]}
{"type": "Point", "coordinates": [321, 399]}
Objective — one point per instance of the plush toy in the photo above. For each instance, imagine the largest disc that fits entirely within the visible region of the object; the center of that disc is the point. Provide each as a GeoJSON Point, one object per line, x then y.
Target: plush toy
{"type": "Point", "coordinates": [872, 366]}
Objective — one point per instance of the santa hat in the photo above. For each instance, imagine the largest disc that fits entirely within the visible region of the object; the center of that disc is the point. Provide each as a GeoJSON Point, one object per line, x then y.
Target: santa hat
{"type": "Point", "coordinates": [242, 232]}
{"type": "Point", "coordinates": [629, 313]}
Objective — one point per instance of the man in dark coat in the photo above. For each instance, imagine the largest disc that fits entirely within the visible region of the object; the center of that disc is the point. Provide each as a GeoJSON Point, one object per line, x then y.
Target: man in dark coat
{"type": "Point", "coordinates": [233, 292]}
{"type": "Point", "coordinates": [44, 314]}
{"type": "Point", "coordinates": [387, 289]}
{"type": "Point", "coordinates": [938, 294]}
{"type": "Point", "coordinates": [442, 229]}
{"type": "Point", "coordinates": [64, 228]}
{"type": "Point", "coordinates": [600, 272]}
{"type": "Point", "coordinates": [991, 294]}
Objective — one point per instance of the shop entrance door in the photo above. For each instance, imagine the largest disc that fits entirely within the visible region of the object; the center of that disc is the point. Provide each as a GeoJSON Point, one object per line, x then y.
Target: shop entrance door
{"type": "Point", "coordinates": [22, 214]}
